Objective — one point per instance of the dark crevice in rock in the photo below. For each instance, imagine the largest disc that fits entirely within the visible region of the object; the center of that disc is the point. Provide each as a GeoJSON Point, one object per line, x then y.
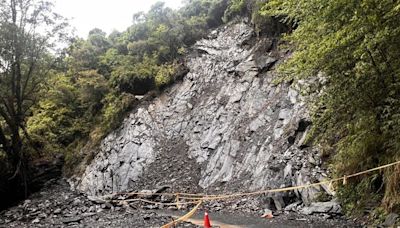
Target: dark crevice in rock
{"type": "Point", "coordinates": [301, 128]}
{"type": "Point", "coordinates": [303, 124]}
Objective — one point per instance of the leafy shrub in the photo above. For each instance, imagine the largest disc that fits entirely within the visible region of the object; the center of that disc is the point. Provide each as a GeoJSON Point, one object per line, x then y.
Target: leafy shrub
{"type": "Point", "coordinates": [114, 111]}
{"type": "Point", "coordinates": [164, 76]}
{"type": "Point", "coordinates": [354, 45]}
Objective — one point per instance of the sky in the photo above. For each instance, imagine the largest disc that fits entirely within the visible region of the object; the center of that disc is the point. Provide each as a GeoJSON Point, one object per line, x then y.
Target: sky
{"type": "Point", "coordinates": [107, 15]}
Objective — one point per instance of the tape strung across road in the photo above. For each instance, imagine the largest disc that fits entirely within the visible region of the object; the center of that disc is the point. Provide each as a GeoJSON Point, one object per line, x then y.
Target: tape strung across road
{"type": "Point", "coordinates": [200, 198]}
{"type": "Point", "coordinates": [205, 197]}
{"type": "Point", "coordinates": [185, 217]}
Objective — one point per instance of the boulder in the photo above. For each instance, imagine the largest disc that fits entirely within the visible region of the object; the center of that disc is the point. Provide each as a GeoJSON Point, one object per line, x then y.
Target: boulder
{"type": "Point", "coordinates": [391, 220]}
{"type": "Point", "coordinates": [331, 207]}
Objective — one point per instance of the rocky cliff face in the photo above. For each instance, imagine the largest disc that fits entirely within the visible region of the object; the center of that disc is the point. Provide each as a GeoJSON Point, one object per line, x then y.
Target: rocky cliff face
{"type": "Point", "coordinates": [225, 127]}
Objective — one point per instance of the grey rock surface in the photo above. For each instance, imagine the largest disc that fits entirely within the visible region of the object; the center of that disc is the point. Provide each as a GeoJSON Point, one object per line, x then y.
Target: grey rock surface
{"type": "Point", "coordinates": [331, 207]}
{"type": "Point", "coordinates": [241, 130]}
{"type": "Point", "coordinates": [391, 220]}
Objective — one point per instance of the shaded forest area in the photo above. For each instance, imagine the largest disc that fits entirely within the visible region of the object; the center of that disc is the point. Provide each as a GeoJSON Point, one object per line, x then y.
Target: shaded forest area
{"type": "Point", "coordinates": [54, 101]}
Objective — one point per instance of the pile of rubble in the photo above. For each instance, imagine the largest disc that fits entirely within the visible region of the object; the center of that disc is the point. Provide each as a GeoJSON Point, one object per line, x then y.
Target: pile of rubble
{"type": "Point", "coordinates": [57, 206]}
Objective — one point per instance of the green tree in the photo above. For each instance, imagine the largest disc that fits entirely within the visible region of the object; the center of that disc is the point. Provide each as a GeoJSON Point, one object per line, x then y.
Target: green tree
{"type": "Point", "coordinates": [68, 109]}
{"type": "Point", "coordinates": [85, 54]}
{"type": "Point", "coordinates": [51, 124]}
{"type": "Point", "coordinates": [27, 31]}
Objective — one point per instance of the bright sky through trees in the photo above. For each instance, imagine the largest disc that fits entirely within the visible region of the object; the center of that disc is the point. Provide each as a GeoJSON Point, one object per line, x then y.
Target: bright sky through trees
{"type": "Point", "coordinates": [107, 15]}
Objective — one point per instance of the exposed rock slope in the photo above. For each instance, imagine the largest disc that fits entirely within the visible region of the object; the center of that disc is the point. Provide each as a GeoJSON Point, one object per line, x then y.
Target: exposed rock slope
{"type": "Point", "coordinates": [225, 127]}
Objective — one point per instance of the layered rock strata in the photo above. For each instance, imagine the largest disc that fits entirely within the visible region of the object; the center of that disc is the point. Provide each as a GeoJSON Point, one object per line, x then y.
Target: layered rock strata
{"type": "Point", "coordinates": [244, 131]}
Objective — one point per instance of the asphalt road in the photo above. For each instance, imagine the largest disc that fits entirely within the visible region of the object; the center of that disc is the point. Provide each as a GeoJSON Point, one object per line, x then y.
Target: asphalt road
{"type": "Point", "coordinates": [227, 220]}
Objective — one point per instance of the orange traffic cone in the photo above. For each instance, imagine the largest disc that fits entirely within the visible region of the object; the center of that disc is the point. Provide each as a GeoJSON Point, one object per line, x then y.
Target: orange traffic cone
{"type": "Point", "coordinates": [207, 223]}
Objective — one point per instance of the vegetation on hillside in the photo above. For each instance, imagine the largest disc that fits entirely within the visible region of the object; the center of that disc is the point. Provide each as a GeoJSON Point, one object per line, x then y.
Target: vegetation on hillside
{"type": "Point", "coordinates": [353, 47]}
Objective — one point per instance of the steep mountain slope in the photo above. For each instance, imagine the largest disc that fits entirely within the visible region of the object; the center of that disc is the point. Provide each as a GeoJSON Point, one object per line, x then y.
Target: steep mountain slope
{"type": "Point", "coordinates": [225, 127]}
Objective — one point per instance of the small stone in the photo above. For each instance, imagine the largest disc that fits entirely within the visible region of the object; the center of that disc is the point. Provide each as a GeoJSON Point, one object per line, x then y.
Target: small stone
{"type": "Point", "coordinates": [279, 202]}
{"type": "Point", "coordinates": [95, 199]}
{"type": "Point", "coordinates": [92, 209]}
{"type": "Point", "coordinates": [72, 220]}
{"type": "Point", "coordinates": [57, 211]}
{"type": "Point", "coordinates": [88, 214]}
{"type": "Point", "coordinates": [390, 220]}
{"type": "Point", "coordinates": [287, 171]}
{"type": "Point", "coordinates": [216, 206]}
{"type": "Point", "coordinates": [267, 211]}
{"type": "Point", "coordinates": [311, 160]}
{"type": "Point", "coordinates": [322, 207]}
{"type": "Point", "coordinates": [326, 216]}
{"type": "Point", "coordinates": [151, 207]}
{"type": "Point", "coordinates": [109, 205]}
{"type": "Point", "coordinates": [26, 202]}
{"type": "Point", "coordinates": [293, 206]}
{"type": "Point", "coordinates": [166, 198]}
{"type": "Point", "coordinates": [267, 214]}
{"type": "Point", "coordinates": [76, 202]}
{"type": "Point", "coordinates": [106, 205]}
{"type": "Point", "coordinates": [35, 221]}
